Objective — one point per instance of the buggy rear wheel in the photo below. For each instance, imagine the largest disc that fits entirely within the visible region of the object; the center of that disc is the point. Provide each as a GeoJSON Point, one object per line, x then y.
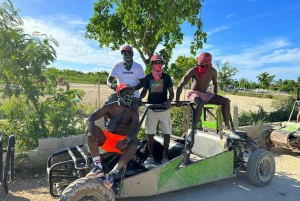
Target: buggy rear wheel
{"type": "Point", "coordinates": [264, 140]}
{"type": "Point", "coordinates": [87, 189]}
{"type": "Point", "coordinates": [261, 167]}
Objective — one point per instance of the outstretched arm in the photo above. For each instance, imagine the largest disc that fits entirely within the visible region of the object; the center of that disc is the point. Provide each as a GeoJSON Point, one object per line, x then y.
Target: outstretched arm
{"type": "Point", "coordinates": [140, 84]}
{"type": "Point", "coordinates": [186, 78]}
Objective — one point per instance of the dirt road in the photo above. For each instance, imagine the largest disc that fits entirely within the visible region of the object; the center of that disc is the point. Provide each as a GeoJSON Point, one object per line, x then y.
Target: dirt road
{"type": "Point", "coordinates": [284, 187]}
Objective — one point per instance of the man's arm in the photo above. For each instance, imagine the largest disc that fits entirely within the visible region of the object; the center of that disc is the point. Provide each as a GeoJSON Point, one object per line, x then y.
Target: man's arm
{"type": "Point", "coordinates": [215, 84]}
{"type": "Point", "coordinates": [171, 96]}
{"type": "Point", "coordinates": [140, 84]}
{"type": "Point", "coordinates": [110, 84]}
{"type": "Point", "coordinates": [90, 122]}
{"type": "Point", "coordinates": [186, 78]}
{"type": "Point", "coordinates": [135, 125]}
{"type": "Point", "coordinates": [143, 93]}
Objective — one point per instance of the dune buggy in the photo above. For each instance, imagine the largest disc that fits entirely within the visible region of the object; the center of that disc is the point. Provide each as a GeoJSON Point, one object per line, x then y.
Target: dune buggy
{"type": "Point", "coordinates": [196, 157]}
{"type": "Point", "coordinates": [6, 165]}
{"type": "Point", "coordinates": [284, 134]}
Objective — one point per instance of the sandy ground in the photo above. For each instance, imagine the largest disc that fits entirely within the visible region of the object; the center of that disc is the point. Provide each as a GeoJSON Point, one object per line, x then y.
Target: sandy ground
{"type": "Point", "coordinates": [285, 185]}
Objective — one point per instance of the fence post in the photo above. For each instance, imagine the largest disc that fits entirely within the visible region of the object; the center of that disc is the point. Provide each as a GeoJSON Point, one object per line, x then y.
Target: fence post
{"type": "Point", "coordinates": [235, 118]}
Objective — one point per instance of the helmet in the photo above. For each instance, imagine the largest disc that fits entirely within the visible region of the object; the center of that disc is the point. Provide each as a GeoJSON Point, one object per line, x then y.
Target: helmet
{"type": "Point", "coordinates": [122, 86]}
{"type": "Point", "coordinates": [205, 57]}
{"type": "Point", "coordinates": [157, 57]}
{"type": "Point", "coordinates": [127, 48]}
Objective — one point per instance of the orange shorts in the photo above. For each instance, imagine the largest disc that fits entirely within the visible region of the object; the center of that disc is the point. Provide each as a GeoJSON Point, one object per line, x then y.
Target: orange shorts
{"type": "Point", "coordinates": [111, 141]}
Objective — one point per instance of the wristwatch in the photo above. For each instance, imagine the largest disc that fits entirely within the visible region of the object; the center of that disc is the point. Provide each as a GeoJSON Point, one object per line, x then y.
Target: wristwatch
{"type": "Point", "coordinates": [128, 138]}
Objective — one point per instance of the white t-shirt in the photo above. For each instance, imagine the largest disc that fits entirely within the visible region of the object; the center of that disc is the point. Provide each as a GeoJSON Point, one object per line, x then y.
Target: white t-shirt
{"type": "Point", "coordinates": [131, 77]}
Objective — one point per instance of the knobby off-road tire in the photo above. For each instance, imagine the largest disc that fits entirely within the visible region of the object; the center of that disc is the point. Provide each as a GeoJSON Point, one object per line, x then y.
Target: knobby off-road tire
{"type": "Point", "coordinates": [261, 167]}
{"type": "Point", "coordinates": [87, 189]}
{"type": "Point", "coordinates": [264, 140]}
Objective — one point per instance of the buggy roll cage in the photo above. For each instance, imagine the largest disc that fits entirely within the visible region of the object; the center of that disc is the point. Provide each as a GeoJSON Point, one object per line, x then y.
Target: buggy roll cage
{"type": "Point", "coordinates": [188, 146]}
{"type": "Point", "coordinates": [8, 165]}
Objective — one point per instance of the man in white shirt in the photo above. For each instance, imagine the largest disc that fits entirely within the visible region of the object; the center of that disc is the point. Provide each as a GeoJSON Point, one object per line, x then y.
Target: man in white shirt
{"type": "Point", "coordinates": [126, 71]}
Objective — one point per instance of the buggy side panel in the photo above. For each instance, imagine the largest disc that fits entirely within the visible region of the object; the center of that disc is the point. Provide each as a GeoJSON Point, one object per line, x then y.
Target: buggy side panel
{"type": "Point", "coordinates": [207, 144]}
{"type": "Point", "coordinates": [171, 176]}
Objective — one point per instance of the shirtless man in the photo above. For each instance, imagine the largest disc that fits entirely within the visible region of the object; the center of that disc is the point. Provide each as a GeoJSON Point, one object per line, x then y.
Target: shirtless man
{"type": "Point", "coordinates": [201, 76]}
{"type": "Point", "coordinates": [120, 137]}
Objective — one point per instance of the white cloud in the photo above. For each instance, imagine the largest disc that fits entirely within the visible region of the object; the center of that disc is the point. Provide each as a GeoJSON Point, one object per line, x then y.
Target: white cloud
{"type": "Point", "coordinates": [218, 29]}
{"type": "Point", "coordinates": [73, 47]}
{"type": "Point", "coordinates": [229, 16]}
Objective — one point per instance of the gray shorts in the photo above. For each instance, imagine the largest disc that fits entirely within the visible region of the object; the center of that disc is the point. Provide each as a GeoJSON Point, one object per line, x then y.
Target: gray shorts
{"type": "Point", "coordinates": [164, 118]}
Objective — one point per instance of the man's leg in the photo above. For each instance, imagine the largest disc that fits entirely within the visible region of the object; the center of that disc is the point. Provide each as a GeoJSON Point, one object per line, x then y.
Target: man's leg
{"type": "Point", "coordinates": [126, 156]}
{"type": "Point", "coordinates": [166, 147]}
{"type": "Point", "coordinates": [151, 124]}
{"type": "Point", "coordinates": [95, 140]}
{"type": "Point", "coordinates": [150, 138]}
{"type": "Point", "coordinates": [166, 128]}
{"type": "Point", "coordinates": [298, 115]}
{"type": "Point", "coordinates": [198, 110]}
{"type": "Point", "coordinates": [225, 102]}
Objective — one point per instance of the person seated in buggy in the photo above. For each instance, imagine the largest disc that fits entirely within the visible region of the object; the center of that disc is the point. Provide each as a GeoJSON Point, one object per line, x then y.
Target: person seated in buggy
{"type": "Point", "coordinates": [120, 135]}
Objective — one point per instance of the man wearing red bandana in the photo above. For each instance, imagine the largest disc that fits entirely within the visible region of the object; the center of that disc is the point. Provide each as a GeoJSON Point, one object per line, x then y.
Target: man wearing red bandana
{"type": "Point", "coordinates": [158, 84]}
{"type": "Point", "coordinates": [200, 77]}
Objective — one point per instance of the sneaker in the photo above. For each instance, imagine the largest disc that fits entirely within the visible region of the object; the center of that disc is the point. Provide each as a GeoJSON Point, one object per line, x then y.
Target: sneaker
{"type": "Point", "coordinates": [164, 160]}
{"type": "Point", "coordinates": [149, 160]}
{"type": "Point", "coordinates": [95, 173]}
{"type": "Point", "coordinates": [109, 181]}
{"type": "Point", "coordinates": [232, 134]}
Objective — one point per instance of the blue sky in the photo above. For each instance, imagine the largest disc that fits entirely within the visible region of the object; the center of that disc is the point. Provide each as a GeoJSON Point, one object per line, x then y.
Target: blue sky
{"type": "Point", "coordinates": [254, 36]}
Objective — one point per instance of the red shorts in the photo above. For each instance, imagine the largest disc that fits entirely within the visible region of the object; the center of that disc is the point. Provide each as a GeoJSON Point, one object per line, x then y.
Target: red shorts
{"type": "Point", "coordinates": [204, 96]}
{"type": "Point", "coordinates": [111, 141]}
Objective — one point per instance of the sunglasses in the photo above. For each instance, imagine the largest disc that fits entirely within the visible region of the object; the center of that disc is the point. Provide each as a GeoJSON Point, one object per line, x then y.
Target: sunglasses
{"type": "Point", "coordinates": [158, 63]}
{"type": "Point", "coordinates": [203, 66]}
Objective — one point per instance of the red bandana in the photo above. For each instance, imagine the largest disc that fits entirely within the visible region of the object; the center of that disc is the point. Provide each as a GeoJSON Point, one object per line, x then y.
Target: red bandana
{"type": "Point", "coordinates": [202, 71]}
{"type": "Point", "coordinates": [156, 75]}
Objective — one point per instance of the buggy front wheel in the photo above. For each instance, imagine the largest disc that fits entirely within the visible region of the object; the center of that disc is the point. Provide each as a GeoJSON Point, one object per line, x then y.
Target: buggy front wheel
{"type": "Point", "coordinates": [261, 167]}
{"type": "Point", "coordinates": [87, 189]}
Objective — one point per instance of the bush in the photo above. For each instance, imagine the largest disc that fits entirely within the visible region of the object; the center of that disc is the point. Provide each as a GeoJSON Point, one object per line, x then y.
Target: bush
{"type": "Point", "coordinates": [61, 115]}
{"type": "Point", "coordinates": [283, 106]}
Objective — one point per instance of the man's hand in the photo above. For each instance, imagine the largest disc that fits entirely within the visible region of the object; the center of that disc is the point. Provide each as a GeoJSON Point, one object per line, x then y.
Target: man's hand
{"type": "Point", "coordinates": [122, 144]}
{"type": "Point", "coordinates": [167, 104]}
{"type": "Point", "coordinates": [114, 87]}
{"type": "Point", "coordinates": [179, 103]}
{"type": "Point", "coordinates": [140, 102]}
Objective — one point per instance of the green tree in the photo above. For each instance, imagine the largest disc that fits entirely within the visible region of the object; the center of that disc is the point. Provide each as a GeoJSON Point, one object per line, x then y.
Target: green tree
{"type": "Point", "coordinates": [33, 105]}
{"type": "Point", "coordinates": [225, 74]}
{"type": "Point", "coordinates": [243, 83]}
{"type": "Point", "coordinates": [182, 65]}
{"type": "Point", "coordinates": [265, 79]}
{"type": "Point", "coordinates": [145, 25]}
